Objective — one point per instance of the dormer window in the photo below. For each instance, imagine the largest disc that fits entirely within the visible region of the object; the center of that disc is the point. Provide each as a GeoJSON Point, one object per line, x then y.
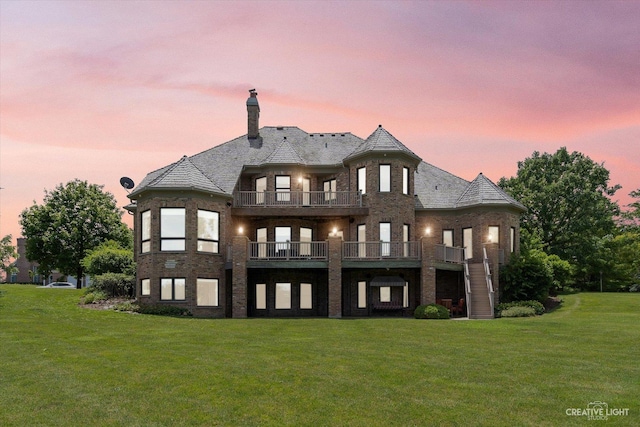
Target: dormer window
{"type": "Point", "coordinates": [385, 178]}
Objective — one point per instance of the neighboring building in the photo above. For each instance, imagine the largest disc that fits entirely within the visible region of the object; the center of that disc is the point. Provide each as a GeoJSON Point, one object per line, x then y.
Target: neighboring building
{"type": "Point", "coordinates": [280, 222]}
{"type": "Point", "coordinates": [28, 270]}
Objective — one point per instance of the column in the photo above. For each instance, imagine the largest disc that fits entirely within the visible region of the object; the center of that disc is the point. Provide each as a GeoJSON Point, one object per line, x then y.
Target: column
{"type": "Point", "coordinates": [428, 270]}
{"type": "Point", "coordinates": [335, 276]}
{"type": "Point", "coordinates": [239, 274]}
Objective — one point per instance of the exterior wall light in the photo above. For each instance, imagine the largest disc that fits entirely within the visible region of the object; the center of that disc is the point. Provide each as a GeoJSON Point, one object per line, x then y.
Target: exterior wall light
{"type": "Point", "coordinates": [240, 230]}
{"type": "Point", "coordinates": [427, 231]}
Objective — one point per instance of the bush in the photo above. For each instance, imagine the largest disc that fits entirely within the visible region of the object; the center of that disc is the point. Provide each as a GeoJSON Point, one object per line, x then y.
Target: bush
{"type": "Point", "coordinates": [94, 296]}
{"type": "Point", "coordinates": [109, 257]}
{"type": "Point", "coordinates": [518, 312]}
{"type": "Point", "coordinates": [115, 284]}
{"type": "Point", "coordinates": [164, 310]}
{"type": "Point", "coordinates": [431, 311]}
{"type": "Point", "coordinates": [528, 276]}
{"type": "Point", "coordinates": [537, 306]}
{"type": "Point", "coordinates": [127, 306]}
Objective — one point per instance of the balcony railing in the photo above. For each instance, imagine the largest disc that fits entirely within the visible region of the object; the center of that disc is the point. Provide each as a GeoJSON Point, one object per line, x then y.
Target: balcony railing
{"type": "Point", "coordinates": [287, 251]}
{"type": "Point", "coordinates": [449, 254]}
{"type": "Point", "coordinates": [380, 250]}
{"type": "Point", "coordinates": [243, 199]}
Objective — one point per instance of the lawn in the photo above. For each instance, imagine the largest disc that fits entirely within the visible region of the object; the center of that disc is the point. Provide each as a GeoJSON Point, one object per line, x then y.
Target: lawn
{"type": "Point", "coordinates": [61, 364]}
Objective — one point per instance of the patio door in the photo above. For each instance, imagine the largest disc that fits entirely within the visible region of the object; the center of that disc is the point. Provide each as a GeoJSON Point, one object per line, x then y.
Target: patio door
{"type": "Point", "coordinates": [306, 191]}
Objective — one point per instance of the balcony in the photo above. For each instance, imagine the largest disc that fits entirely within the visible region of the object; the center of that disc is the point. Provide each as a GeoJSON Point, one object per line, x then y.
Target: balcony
{"type": "Point", "coordinates": [287, 251]}
{"type": "Point", "coordinates": [319, 203]}
{"type": "Point", "coordinates": [449, 254]}
{"type": "Point", "coordinates": [380, 250]}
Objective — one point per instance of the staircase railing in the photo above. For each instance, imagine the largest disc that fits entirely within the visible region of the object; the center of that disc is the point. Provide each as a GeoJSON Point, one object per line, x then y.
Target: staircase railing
{"type": "Point", "coordinates": [487, 273]}
{"type": "Point", "coordinates": [467, 283]}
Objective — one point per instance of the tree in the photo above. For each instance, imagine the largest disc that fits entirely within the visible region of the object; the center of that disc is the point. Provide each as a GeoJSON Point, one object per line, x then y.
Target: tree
{"type": "Point", "coordinates": [568, 205]}
{"type": "Point", "coordinates": [7, 253]}
{"type": "Point", "coordinates": [74, 219]}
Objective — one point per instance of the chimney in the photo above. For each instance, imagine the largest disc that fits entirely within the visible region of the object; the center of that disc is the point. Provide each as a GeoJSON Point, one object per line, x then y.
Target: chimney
{"type": "Point", "coordinates": [253, 113]}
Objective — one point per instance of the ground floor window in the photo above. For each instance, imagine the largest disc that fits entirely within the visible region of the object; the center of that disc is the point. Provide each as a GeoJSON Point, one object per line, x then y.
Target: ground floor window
{"type": "Point", "coordinates": [261, 296]}
{"type": "Point", "coordinates": [145, 287]}
{"type": "Point", "coordinates": [385, 294]}
{"type": "Point", "coordinates": [306, 300]}
{"type": "Point", "coordinates": [362, 294]}
{"type": "Point", "coordinates": [283, 296]}
{"type": "Point", "coordinates": [172, 289]}
{"type": "Point", "coordinates": [207, 292]}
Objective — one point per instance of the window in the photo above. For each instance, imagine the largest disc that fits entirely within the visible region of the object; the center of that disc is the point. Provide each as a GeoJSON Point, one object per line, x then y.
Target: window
{"type": "Point", "coordinates": [172, 289]}
{"type": "Point", "coordinates": [405, 180]}
{"type": "Point", "coordinates": [385, 293]}
{"type": "Point", "coordinates": [494, 234]}
{"type": "Point", "coordinates": [405, 239]}
{"type": "Point", "coordinates": [172, 229]}
{"type": "Point", "coordinates": [330, 189]}
{"type": "Point", "coordinates": [447, 237]}
{"type": "Point", "coordinates": [261, 296]}
{"type": "Point", "coordinates": [306, 300]}
{"type": "Point", "coordinates": [385, 178]}
{"type": "Point", "coordinates": [283, 296]}
{"type": "Point", "coordinates": [207, 292]}
{"type": "Point", "coordinates": [362, 180]}
{"type": "Point", "coordinates": [283, 238]}
{"type": "Point", "coordinates": [305, 241]}
{"type": "Point", "coordinates": [145, 238]}
{"type": "Point", "coordinates": [362, 294]}
{"type": "Point", "coordinates": [145, 287]}
{"type": "Point", "coordinates": [283, 188]}
{"type": "Point", "coordinates": [513, 239]}
{"type": "Point", "coordinates": [208, 231]}
{"type": "Point", "coordinates": [362, 238]}
{"type": "Point", "coordinates": [261, 187]}
{"type": "Point", "coordinates": [467, 242]}
{"type": "Point", "coordinates": [385, 238]}
{"type": "Point", "coordinates": [405, 295]}
{"type": "Point", "coordinates": [261, 238]}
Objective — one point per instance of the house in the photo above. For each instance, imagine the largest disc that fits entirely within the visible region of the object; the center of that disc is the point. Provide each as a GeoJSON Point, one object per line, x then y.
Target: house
{"type": "Point", "coordinates": [283, 223]}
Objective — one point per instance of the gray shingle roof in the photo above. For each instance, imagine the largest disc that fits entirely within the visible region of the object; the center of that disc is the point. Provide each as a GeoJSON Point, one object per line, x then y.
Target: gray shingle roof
{"type": "Point", "coordinates": [381, 141]}
{"type": "Point", "coordinates": [217, 169]}
{"type": "Point", "coordinates": [481, 191]}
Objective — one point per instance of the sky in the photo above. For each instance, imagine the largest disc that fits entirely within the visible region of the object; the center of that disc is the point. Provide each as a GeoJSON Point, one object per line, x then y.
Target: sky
{"type": "Point", "coordinates": [98, 90]}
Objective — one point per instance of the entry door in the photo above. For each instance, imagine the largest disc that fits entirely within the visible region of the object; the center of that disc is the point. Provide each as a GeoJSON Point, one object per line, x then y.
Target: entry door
{"type": "Point", "coordinates": [306, 188]}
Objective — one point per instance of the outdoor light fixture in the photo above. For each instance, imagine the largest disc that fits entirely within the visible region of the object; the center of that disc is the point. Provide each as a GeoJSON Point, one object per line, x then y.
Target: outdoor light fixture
{"type": "Point", "coordinates": [427, 231]}
{"type": "Point", "coordinates": [240, 230]}
{"type": "Point", "coordinates": [334, 232]}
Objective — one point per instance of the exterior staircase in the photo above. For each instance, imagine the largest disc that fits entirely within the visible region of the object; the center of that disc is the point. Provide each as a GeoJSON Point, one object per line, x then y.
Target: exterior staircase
{"type": "Point", "coordinates": [480, 305]}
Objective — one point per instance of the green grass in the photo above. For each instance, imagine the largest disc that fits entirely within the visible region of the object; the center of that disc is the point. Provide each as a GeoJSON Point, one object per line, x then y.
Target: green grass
{"type": "Point", "coordinates": [64, 365]}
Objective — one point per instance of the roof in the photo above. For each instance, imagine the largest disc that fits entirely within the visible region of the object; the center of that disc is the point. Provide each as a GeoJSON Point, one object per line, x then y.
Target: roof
{"type": "Point", "coordinates": [218, 169]}
{"type": "Point", "coordinates": [381, 141]}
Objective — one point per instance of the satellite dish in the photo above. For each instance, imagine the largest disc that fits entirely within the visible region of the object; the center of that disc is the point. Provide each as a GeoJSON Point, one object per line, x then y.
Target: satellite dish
{"type": "Point", "coordinates": [127, 183]}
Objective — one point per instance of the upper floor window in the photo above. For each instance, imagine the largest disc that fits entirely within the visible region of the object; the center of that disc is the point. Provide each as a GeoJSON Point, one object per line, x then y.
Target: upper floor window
{"type": "Point", "coordinates": [405, 180]}
{"type": "Point", "coordinates": [362, 180]}
{"type": "Point", "coordinates": [330, 189]}
{"type": "Point", "coordinates": [145, 236]}
{"type": "Point", "coordinates": [208, 231]}
{"type": "Point", "coordinates": [385, 178]}
{"type": "Point", "coordinates": [494, 234]}
{"type": "Point", "coordinates": [467, 242]}
{"type": "Point", "coordinates": [385, 238]}
{"type": "Point", "coordinates": [512, 234]}
{"type": "Point", "coordinates": [172, 229]}
{"type": "Point", "coordinates": [283, 188]}
{"type": "Point", "coordinates": [447, 237]}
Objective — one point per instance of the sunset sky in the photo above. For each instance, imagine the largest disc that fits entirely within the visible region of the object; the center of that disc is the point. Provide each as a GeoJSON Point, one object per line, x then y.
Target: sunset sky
{"type": "Point", "coordinates": [97, 90]}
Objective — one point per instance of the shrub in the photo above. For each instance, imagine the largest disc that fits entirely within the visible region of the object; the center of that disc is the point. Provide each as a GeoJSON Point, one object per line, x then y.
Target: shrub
{"type": "Point", "coordinates": [115, 284]}
{"type": "Point", "coordinates": [109, 257]}
{"type": "Point", "coordinates": [127, 306]}
{"type": "Point", "coordinates": [537, 306]}
{"type": "Point", "coordinates": [94, 296]}
{"type": "Point", "coordinates": [431, 311]}
{"type": "Point", "coordinates": [518, 312]}
{"type": "Point", "coordinates": [163, 310]}
{"type": "Point", "coordinates": [528, 276]}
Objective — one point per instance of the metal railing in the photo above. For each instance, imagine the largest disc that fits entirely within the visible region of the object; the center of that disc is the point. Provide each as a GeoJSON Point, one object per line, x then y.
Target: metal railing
{"type": "Point", "coordinates": [380, 250]}
{"type": "Point", "coordinates": [450, 254]}
{"type": "Point", "coordinates": [286, 251]}
{"type": "Point", "coordinates": [467, 284]}
{"type": "Point", "coordinates": [243, 199]}
{"type": "Point", "coordinates": [487, 273]}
